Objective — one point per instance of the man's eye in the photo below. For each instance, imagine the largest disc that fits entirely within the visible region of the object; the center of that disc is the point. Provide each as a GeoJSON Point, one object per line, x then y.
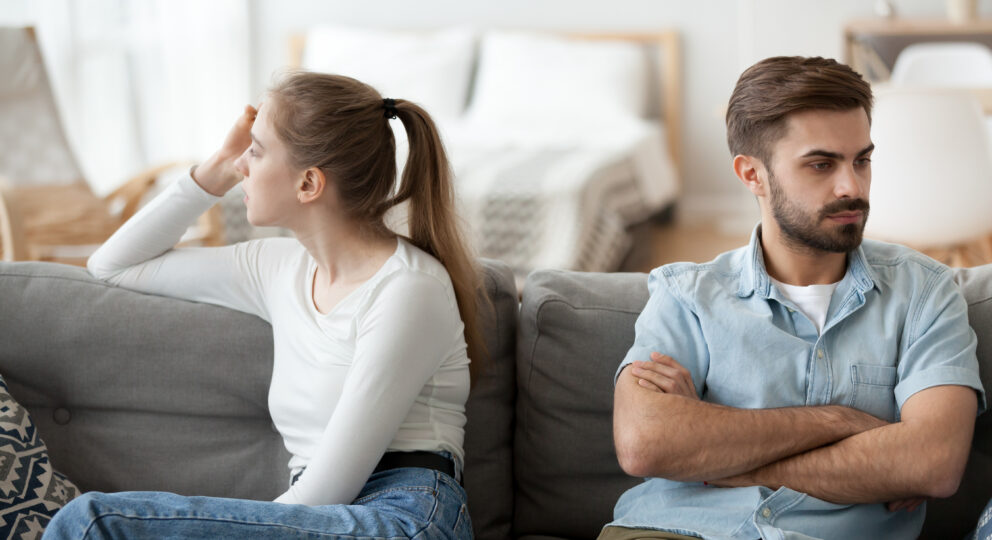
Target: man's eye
{"type": "Point", "coordinates": [863, 162]}
{"type": "Point", "coordinates": [820, 166]}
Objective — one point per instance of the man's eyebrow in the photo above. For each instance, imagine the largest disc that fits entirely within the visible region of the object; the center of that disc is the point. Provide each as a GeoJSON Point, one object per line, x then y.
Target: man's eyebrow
{"type": "Point", "coordinates": [822, 153]}
{"type": "Point", "coordinates": [254, 138]}
{"type": "Point", "coordinates": [834, 155]}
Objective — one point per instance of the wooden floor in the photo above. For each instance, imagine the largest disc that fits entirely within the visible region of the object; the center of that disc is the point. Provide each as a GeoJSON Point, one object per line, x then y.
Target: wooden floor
{"type": "Point", "coordinates": [658, 243]}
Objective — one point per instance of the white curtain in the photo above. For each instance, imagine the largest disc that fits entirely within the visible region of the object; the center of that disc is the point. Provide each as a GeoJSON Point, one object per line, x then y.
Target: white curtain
{"type": "Point", "coordinates": [141, 82]}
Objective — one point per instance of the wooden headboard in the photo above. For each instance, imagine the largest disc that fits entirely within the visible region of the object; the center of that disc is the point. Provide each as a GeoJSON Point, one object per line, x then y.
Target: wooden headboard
{"type": "Point", "coordinates": [665, 53]}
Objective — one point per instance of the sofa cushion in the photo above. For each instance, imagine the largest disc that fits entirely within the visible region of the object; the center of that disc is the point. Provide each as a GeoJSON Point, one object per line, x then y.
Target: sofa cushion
{"type": "Point", "coordinates": [956, 516]}
{"type": "Point", "coordinates": [574, 329]}
{"type": "Point", "coordinates": [488, 476]}
{"type": "Point", "coordinates": [140, 392]}
{"type": "Point", "coordinates": [31, 490]}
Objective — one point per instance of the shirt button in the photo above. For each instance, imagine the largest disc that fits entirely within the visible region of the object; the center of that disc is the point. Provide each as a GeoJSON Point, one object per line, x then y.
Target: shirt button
{"type": "Point", "coordinates": [819, 353]}
{"type": "Point", "coordinates": [766, 513]}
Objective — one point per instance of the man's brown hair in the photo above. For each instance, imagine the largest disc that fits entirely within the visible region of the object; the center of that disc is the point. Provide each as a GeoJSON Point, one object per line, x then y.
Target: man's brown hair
{"type": "Point", "coordinates": [767, 92]}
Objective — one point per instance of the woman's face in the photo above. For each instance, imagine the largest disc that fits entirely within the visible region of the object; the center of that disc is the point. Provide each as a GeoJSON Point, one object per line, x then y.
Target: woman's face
{"type": "Point", "coordinates": [269, 183]}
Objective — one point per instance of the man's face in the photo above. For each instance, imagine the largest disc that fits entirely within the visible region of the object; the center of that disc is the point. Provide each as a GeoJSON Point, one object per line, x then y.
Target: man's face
{"type": "Point", "coordinates": [819, 179]}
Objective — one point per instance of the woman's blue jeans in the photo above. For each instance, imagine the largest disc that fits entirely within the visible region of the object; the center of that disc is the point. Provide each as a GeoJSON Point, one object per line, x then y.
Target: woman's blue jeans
{"type": "Point", "coordinates": [399, 503]}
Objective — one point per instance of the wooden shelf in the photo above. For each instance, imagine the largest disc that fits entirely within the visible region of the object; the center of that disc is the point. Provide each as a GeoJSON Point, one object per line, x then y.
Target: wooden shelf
{"type": "Point", "coordinates": [872, 45]}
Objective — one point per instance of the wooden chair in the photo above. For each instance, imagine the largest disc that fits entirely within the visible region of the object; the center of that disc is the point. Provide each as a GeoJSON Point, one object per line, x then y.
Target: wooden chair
{"type": "Point", "coordinates": [47, 209]}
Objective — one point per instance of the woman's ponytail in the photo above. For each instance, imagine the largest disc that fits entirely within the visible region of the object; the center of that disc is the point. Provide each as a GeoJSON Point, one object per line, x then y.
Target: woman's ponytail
{"type": "Point", "coordinates": [434, 226]}
{"type": "Point", "coordinates": [341, 125]}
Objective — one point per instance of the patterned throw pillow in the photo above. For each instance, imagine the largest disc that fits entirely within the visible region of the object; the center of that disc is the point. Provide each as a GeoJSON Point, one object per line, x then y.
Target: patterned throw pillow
{"type": "Point", "coordinates": [31, 491]}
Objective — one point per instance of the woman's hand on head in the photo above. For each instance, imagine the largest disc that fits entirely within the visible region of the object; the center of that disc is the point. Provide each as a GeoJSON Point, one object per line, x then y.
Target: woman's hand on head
{"type": "Point", "coordinates": [217, 175]}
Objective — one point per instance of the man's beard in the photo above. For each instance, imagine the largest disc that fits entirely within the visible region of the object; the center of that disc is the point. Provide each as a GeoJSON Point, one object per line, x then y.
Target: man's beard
{"type": "Point", "coordinates": [801, 229]}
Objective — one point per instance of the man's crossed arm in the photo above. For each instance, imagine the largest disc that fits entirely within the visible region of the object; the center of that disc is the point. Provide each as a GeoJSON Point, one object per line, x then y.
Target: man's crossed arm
{"type": "Point", "coordinates": [834, 453]}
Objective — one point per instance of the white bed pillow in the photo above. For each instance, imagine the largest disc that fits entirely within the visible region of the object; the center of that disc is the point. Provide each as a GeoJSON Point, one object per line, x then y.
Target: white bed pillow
{"type": "Point", "coordinates": [433, 69]}
{"type": "Point", "coordinates": [538, 78]}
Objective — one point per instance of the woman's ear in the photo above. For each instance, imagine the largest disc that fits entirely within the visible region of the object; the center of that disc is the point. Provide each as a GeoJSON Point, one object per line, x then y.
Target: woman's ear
{"type": "Point", "coordinates": [311, 185]}
{"type": "Point", "coordinates": [751, 171]}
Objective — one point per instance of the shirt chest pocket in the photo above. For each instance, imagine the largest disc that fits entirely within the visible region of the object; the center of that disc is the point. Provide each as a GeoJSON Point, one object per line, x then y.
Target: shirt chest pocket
{"type": "Point", "coordinates": [874, 390]}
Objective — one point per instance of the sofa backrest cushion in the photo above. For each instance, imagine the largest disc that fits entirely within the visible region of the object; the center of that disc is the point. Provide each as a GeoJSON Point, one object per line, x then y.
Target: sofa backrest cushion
{"type": "Point", "coordinates": [488, 478]}
{"type": "Point", "coordinates": [574, 330]}
{"type": "Point", "coordinates": [140, 392]}
{"type": "Point", "coordinates": [956, 516]}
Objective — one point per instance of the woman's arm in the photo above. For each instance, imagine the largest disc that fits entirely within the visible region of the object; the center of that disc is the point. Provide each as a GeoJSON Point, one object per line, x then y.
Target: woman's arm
{"type": "Point", "coordinates": [403, 340]}
{"type": "Point", "coordinates": [140, 254]}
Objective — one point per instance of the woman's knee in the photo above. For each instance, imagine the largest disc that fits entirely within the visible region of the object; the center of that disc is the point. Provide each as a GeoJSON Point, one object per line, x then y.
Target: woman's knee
{"type": "Point", "coordinates": [74, 519]}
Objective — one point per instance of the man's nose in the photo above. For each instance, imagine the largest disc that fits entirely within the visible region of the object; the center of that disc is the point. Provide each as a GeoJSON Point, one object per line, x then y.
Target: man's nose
{"type": "Point", "coordinates": [850, 183]}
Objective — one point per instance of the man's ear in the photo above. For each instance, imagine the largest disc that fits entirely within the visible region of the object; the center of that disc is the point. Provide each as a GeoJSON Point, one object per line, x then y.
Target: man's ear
{"type": "Point", "coordinates": [752, 173]}
{"type": "Point", "coordinates": [311, 185]}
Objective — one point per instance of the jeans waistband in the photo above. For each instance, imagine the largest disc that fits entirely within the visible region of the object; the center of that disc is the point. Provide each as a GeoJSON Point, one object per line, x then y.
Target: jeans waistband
{"type": "Point", "coordinates": [426, 460]}
{"type": "Point", "coordinates": [398, 460]}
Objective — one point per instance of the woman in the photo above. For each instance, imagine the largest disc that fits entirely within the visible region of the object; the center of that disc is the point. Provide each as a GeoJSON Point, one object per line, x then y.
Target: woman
{"type": "Point", "coordinates": [372, 331]}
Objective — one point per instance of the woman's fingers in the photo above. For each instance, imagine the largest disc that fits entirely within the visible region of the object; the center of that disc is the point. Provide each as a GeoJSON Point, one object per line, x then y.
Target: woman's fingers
{"type": "Point", "coordinates": [239, 138]}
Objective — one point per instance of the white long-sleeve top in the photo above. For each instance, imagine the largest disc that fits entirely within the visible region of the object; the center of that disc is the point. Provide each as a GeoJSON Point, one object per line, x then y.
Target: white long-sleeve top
{"type": "Point", "coordinates": [385, 370]}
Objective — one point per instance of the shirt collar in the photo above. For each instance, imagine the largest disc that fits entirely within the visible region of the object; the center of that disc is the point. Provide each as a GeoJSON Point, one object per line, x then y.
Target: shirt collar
{"type": "Point", "coordinates": [755, 280]}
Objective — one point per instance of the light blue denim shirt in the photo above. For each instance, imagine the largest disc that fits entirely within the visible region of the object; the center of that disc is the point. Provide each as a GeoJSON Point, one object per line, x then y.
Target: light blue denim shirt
{"type": "Point", "coordinates": [897, 324]}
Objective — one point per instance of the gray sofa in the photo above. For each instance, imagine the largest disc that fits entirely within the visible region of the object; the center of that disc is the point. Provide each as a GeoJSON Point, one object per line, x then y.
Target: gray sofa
{"type": "Point", "coordinates": [138, 392]}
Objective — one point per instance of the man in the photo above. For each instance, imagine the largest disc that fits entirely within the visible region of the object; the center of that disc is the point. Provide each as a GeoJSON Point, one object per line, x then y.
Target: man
{"type": "Point", "coordinates": [808, 385]}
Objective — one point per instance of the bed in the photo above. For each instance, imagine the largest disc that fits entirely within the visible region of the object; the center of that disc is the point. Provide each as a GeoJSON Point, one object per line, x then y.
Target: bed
{"type": "Point", "coordinates": [558, 143]}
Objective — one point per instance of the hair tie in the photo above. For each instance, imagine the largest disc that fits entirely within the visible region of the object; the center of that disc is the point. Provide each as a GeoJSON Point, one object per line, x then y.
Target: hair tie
{"type": "Point", "coordinates": [390, 105]}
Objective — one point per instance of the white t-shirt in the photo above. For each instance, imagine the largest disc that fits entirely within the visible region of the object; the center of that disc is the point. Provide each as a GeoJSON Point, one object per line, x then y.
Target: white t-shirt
{"type": "Point", "coordinates": [813, 301]}
{"type": "Point", "coordinates": [385, 370]}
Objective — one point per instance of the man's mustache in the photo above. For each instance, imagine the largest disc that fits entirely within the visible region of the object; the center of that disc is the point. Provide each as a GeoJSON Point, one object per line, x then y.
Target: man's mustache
{"type": "Point", "coordinates": [844, 205]}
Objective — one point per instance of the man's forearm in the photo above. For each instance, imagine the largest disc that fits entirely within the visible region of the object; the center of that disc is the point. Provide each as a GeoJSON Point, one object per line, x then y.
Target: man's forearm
{"type": "Point", "coordinates": [920, 456]}
{"type": "Point", "coordinates": [670, 436]}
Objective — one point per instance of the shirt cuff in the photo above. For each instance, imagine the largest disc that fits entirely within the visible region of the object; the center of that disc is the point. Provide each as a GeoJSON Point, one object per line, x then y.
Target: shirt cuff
{"type": "Point", "coordinates": [939, 376]}
{"type": "Point", "coordinates": [188, 186]}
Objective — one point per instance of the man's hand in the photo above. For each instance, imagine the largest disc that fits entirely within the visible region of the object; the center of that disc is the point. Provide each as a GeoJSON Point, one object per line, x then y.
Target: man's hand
{"type": "Point", "coordinates": [908, 505]}
{"type": "Point", "coordinates": [217, 175]}
{"type": "Point", "coordinates": [664, 374]}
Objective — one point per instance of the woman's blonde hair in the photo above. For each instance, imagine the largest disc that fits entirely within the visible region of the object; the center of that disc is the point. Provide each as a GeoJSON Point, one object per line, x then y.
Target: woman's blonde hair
{"type": "Point", "coordinates": [341, 126]}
